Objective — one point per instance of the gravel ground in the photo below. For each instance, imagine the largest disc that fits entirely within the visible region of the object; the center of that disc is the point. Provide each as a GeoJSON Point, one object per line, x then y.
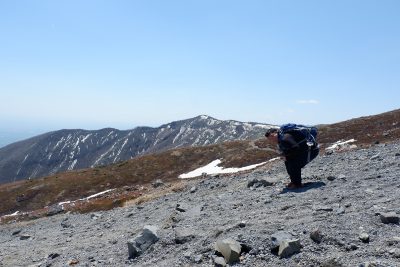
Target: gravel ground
{"type": "Point", "coordinates": [345, 195]}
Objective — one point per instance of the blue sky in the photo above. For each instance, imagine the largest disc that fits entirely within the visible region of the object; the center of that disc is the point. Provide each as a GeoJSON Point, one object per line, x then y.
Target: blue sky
{"type": "Point", "coordinates": [122, 64]}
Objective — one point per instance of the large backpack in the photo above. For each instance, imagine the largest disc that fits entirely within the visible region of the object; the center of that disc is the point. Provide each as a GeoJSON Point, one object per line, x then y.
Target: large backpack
{"type": "Point", "coordinates": [305, 133]}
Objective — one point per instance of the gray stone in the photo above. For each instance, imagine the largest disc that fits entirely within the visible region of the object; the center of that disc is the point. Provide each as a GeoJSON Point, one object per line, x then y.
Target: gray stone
{"type": "Point", "coordinates": [278, 238]}
{"type": "Point", "coordinates": [182, 207]}
{"type": "Point", "coordinates": [394, 241]}
{"type": "Point", "coordinates": [340, 211]}
{"type": "Point", "coordinates": [316, 236]}
{"type": "Point", "coordinates": [219, 262]}
{"type": "Point", "coordinates": [255, 183]}
{"type": "Point", "coordinates": [364, 237]}
{"type": "Point", "coordinates": [193, 189]}
{"type": "Point", "coordinates": [324, 208]}
{"type": "Point", "coordinates": [66, 224]}
{"type": "Point", "coordinates": [95, 216]}
{"type": "Point", "coordinates": [183, 235]}
{"type": "Point", "coordinates": [25, 237]}
{"type": "Point", "coordinates": [54, 209]}
{"type": "Point", "coordinates": [331, 178]}
{"type": "Point", "coordinates": [157, 183]}
{"type": "Point", "coordinates": [229, 248]}
{"type": "Point", "coordinates": [198, 258]}
{"type": "Point", "coordinates": [289, 247]}
{"type": "Point", "coordinates": [142, 242]}
{"type": "Point", "coordinates": [389, 217]}
{"type": "Point", "coordinates": [16, 232]}
{"type": "Point", "coordinates": [53, 255]}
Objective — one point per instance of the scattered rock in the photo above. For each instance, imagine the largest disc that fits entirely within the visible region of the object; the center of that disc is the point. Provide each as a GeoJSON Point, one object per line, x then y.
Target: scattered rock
{"type": "Point", "coordinates": [364, 237]}
{"type": "Point", "coordinates": [52, 256]}
{"type": "Point", "coordinates": [229, 248]}
{"type": "Point", "coordinates": [198, 259]}
{"type": "Point", "coordinates": [277, 239]}
{"type": "Point", "coordinates": [331, 178]}
{"type": "Point", "coordinates": [182, 207]}
{"type": "Point", "coordinates": [316, 236]}
{"type": "Point", "coordinates": [16, 232]}
{"type": "Point", "coordinates": [193, 189]}
{"type": "Point", "coordinates": [255, 183]}
{"type": "Point", "coordinates": [183, 235]}
{"type": "Point", "coordinates": [66, 224]}
{"type": "Point", "coordinates": [142, 242]}
{"type": "Point", "coordinates": [54, 209]}
{"type": "Point", "coordinates": [157, 183]}
{"type": "Point", "coordinates": [242, 224]}
{"type": "Point", "coordinates": [25, 237]}
{"type": "Point", "coordinates": [289, 247]}
{"type": "Point", "coordinates": [394, 241]}
{"type": "Point", "coordinates": [389, 217]}
{"type": "Point", "coordinates": [95, 216]}
{"type": "Point", "coordinates": [351, 247]}
{"type": "Point", "coordinates": [340, 211]}
{"type": "Point", "coordinates": [219, 262]}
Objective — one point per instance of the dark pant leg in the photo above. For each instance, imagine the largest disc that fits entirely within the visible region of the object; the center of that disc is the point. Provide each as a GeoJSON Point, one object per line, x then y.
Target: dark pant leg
{"type": "Point", "coordinates": [294, 170]}
{"type": "Point", "coordinates": [294, 165]}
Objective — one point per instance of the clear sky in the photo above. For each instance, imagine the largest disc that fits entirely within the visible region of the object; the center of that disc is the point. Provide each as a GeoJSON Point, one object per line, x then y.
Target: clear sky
{"type": "Point", "coordinates": [95, 64]}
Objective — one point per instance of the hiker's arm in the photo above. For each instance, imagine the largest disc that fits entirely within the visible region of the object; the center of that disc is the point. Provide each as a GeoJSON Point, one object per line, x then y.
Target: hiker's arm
{"type": "Point", "coordinates": [292, 146]}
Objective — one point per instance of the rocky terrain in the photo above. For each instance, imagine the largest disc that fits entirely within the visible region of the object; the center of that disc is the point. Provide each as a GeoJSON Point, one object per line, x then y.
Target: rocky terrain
{"type": "Point", "coordinates": [67, 150]}
{"type": "Point", "coordinates": [347, 215]}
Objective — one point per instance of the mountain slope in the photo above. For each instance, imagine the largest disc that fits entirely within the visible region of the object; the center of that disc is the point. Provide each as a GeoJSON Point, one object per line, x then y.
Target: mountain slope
{"type": "Point", "coordinates": [336, 219]}
{"type": "Point", "coordinates": [66, 150]}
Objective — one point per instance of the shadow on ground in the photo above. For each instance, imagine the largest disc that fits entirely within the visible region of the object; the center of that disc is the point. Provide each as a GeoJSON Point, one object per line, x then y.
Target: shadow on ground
{"type": "Point", "coordinates": [306, 187]}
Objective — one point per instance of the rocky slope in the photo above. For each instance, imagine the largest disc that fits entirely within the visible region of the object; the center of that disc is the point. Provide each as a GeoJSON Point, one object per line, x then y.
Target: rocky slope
{"type": "Point", "coordinates": [67, 150]}
{"type": "Point", "coordinates": [338, 219]}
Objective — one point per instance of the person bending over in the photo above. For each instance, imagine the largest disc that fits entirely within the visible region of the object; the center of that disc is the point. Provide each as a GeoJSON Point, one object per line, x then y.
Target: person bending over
{"type": "Point", "coordinates": [295, 150]}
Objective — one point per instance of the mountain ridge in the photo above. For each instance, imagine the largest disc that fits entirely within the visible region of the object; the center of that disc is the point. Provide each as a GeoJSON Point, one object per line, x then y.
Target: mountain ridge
{"type": "Point", "coordinates": [72, 149]}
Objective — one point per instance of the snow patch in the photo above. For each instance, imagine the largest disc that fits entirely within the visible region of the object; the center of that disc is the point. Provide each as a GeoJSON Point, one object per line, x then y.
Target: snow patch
{"type": "Point", "coordinates": [86, 137]}
{"type": "Point", "coordinates": [11, 215]}
{"type": "Point", "coordinates": [213, 168]}
{"type": "Point", "coordinates": [71, 167]}
{"type": "Point", "coordinates": [340, 145]}
{"type": "Point", "coordinates": [86, 198]}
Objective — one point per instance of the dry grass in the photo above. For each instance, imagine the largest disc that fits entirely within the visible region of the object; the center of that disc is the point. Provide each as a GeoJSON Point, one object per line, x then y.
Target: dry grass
{"type": "Point", "coordinates": [34, 194]}
{"type": "Point", "coordinates": [175, 187]}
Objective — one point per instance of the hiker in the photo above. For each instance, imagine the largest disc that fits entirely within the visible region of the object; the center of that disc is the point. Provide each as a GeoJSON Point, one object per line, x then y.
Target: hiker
{"type": "Point", "coordinates": [297, 146]}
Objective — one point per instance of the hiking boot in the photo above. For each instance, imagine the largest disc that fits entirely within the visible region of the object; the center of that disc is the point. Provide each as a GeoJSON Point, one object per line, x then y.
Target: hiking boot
{"type": "Point", "coordinates": [294, 186]}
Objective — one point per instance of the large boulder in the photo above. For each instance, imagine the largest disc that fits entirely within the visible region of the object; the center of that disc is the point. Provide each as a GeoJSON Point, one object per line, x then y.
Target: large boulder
{"type": "Point", "coordinates": [390, 217]}
{"type": "Point", "coordinates": [284, 244]}
{"type": "Point", "coordinates": [230, 249]}
{"type": "Point", "coordinates": [142, 241]}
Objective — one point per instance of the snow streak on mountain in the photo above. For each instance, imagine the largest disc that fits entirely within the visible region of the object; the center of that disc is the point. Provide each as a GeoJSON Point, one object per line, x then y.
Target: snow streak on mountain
{"type": "Point", "coordinates": [77, 149]}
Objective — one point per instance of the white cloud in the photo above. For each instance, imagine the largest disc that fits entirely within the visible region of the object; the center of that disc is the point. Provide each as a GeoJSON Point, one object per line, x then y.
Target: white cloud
{"type": "Point", "coordinates": [307, 102]}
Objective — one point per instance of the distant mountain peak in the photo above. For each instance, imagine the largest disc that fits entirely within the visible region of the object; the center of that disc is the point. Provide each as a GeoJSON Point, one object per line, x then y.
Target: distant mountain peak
{"type": "Point", "coordinates": [64, 150]}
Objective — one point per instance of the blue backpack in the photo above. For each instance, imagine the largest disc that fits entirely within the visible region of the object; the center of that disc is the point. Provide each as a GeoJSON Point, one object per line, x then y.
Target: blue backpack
{"type": "Point", "coordinates": [308, 133]}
